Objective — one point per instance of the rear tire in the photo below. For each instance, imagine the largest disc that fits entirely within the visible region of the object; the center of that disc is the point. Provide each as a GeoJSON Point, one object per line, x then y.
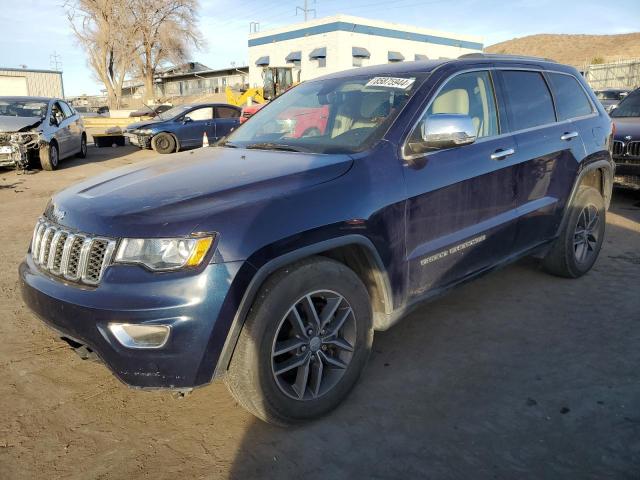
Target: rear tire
{"type": "Point", "coordinates": [163, 143]}
{"type": "Point", "coordinates": [83, 147]}
{"type": "Point", "coordinates": [575, 251]}
{"type": "Point", "coordinates": [330, 357]}
{"type": "Point", "coordinates": [49, 156]}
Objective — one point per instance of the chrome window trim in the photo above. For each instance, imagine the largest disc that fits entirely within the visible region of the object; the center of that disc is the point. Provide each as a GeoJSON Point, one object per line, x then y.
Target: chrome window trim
{"type": "Point", "coordinates": [595, 112]}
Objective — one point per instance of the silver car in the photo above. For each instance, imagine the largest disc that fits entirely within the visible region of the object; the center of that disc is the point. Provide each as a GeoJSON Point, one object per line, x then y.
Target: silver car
{"type": "Point", "coordinates": [37, 129]}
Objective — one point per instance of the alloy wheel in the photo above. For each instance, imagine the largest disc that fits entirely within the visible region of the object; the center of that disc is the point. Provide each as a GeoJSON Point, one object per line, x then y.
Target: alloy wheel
{"type": "Point", "coordinates": [313, 345]}
{"type": "Point", "coordinates": [585, 236]}
{"type": "Point", "coordinates": [53, 153]}
{"type": "Point", "coordinates": [162, 142]}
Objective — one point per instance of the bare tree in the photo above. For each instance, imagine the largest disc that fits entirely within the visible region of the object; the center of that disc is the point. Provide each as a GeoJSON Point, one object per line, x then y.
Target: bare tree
{"type": "Point", "coordinates": [165, 31]}
{"type": "Point", "coordinates": [104, 30]}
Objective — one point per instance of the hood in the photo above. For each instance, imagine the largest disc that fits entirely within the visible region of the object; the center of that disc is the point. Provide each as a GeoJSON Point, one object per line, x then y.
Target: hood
{"type": "Point", "coordinates": [18, 124]}
{"type": "Point", "coordinates": [144, 124]}
{"type": "Point", "coordinates": [172, 194]}
{"type": "Point", "coordinates": [627, 126]}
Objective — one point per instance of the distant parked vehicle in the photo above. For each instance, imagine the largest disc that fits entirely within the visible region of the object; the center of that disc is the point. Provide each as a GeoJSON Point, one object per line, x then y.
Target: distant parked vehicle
{"type": "Point", "coordinates": [152, 112]}
{"type": "Point", "coordinates": [37, 128]}
{"type": "Point", "coordinates": [626, 144]}
{"type": "Point", "coordinates": [610, 97]}
{"type": "Point", "coordinates": [103, 110]}
{"type": "Point", "coordinates": [250, 110]}
{"type": "Point", "coordinates": [184, 127]}
{"type": "Point", "coordinates": [86, 112]}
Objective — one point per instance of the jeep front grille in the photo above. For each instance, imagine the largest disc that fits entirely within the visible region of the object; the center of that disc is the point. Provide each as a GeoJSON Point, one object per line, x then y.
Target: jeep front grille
{"type": "Point", "coordinates": [77, 257]}
{"type": "Point", "coordinates": [633, 149]}
{"type": "Point", "coordinates": [629, 150]}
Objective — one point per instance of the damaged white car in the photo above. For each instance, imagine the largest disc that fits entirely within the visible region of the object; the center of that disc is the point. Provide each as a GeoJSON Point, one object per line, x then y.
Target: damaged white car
{"type": "Point", "coordinates": [39, 130]}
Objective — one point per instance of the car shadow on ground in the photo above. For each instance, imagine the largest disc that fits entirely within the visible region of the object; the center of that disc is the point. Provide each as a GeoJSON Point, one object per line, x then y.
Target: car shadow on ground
{"type": "Point", "coordinates": [96, 154]}
{"type": "Point", "coordinates": [517, 375]}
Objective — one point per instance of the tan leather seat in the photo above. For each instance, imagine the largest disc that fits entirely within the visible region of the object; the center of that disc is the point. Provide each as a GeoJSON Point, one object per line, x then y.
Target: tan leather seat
{"type": "Point", "coordinates": [372, 108]}
{"type": "Point", "coordinates": [454, 101]}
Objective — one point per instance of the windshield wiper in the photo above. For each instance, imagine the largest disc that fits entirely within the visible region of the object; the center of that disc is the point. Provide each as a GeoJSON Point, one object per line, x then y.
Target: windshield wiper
{"type": "Point", "coordinates": [274, 146]}
{"type": "Point", "coordinates": [225, 143]}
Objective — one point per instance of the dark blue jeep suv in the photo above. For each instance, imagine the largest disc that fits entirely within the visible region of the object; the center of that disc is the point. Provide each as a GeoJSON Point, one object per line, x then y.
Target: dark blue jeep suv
{"type": "Point", "coordinates": [271, 258]}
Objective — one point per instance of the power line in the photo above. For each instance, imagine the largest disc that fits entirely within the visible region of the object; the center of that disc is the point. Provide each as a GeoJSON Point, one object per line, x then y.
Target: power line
{"type": "Point", "coordinates": [55, 61]}
{"type": "Point", "coordinates": [306, 10]}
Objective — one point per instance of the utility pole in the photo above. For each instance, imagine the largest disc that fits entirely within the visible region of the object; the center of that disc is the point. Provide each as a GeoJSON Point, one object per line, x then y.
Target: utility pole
{"type": "Point", "coordinates": [55, 61]}
{"type": "Point", "coordinates": [306, 10]}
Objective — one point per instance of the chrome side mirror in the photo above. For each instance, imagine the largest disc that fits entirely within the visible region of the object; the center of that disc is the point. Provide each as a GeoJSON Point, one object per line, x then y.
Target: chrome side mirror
{"type": "Point", "coordinates": [447, 130]}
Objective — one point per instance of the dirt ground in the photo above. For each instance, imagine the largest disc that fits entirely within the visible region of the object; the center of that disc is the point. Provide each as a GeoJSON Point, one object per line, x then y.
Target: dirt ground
{"type": "Point", "coordinates": [516, 375]}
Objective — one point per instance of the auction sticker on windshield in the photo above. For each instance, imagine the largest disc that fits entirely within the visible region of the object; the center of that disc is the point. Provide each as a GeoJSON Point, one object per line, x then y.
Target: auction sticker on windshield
{"type": "Point", "coordinates": [391, 82]}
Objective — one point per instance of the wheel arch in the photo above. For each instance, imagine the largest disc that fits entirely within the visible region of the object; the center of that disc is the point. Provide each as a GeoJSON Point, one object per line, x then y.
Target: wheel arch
{"type": "Point", "coordinates": [597, 174]}
{"type": "Point", "coordinates": [355, 251]}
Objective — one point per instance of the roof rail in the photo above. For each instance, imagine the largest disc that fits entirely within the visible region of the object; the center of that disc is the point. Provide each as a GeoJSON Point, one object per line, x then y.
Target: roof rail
{"type": "Point", "coordinates": [500, 56]}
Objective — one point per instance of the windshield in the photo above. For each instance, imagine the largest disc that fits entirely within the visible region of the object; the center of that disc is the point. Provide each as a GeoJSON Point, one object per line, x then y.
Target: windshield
{"type": "Point", "coordinates": [172, 112]}
{"type": "Point", "coordinates": [23, 108]}
{"type": "Point", "coordinates": [629, 107]}
{"type": "Point", "coordinates": [340, 115]}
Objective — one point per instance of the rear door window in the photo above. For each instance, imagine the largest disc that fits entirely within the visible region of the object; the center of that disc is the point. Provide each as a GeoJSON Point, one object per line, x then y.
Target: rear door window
{"type": "Point", "coordinates": [529, 99]}
{"type": "Point", "coordinates": [571, 100]}
{"type": "Point", "coordinates": [227, 112]}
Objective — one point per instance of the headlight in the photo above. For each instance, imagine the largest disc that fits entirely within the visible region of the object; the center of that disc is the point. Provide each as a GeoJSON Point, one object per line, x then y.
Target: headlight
{"type": "Point", "coordinates": [145, 131]}
{"type": "Point", "coordinates": [164, 253]}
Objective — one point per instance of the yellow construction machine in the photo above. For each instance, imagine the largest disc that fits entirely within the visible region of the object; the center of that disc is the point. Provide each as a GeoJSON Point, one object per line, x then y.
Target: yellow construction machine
{"type": "Point", "coordinates": [276, 80]}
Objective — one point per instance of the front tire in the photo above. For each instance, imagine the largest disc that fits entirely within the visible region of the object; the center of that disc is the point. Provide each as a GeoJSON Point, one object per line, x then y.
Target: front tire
{"type": "Point", "coordinates": [576, 249]}
{"type": "Point", "coordinates": [163, 143]}
{"type": "Point", "coordinates": [49, 156]}
{"type": "Point", "coordinates": [304, 344]}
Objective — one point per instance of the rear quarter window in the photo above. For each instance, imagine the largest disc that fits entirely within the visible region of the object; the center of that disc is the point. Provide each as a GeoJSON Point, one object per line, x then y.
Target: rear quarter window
{"type": "Point", "coordinates": [529, 99]}
{"type": "Point", "coordinates": [571, 100]}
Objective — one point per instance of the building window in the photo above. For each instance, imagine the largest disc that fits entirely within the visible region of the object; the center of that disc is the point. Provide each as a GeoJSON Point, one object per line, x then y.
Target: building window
{"type": "Point", "coordinates": [359, 54]}
{"type": "Point", "coordinates": [395, 57]}
{"type": "Point", "coordinates": [319, 54]}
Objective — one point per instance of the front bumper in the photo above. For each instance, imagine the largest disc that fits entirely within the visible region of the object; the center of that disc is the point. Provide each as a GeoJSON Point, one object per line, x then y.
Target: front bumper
{"type": "Point", "coordinates": [142, 141]}
{"type": "Point", "coordinates": [197, 306]}
{"type": "Point", "coordinates": [627, 171]}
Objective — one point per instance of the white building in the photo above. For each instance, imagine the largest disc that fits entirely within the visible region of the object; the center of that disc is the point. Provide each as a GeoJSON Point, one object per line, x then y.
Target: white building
{"type": "Point", "coordinates": [332, 44]}
{"type": "Point", "coordinates": [28, 82]}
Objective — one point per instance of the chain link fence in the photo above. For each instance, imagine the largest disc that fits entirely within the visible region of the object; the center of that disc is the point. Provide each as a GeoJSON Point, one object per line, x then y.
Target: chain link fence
{"type": "Point", "coordinates": [622, 74]}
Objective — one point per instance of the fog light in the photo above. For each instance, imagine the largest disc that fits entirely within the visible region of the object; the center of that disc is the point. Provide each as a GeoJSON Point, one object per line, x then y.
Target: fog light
{"type": "Point", "coordinates": [140, 336]}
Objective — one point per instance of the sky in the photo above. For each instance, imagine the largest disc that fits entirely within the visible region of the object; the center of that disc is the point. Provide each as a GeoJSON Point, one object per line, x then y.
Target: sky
{"type": "Point", "coordinates": [33, 30]}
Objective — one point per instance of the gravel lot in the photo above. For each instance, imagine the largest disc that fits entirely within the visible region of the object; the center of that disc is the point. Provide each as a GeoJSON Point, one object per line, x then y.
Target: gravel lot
{"type": "Point", "coordinates": [516, 375]}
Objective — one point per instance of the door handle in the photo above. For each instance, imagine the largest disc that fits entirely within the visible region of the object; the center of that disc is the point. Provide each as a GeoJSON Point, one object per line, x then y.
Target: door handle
{"type": "Point", "coordinates": [568, 136]}
{"type": "Point", "coordinates": [502, 154]}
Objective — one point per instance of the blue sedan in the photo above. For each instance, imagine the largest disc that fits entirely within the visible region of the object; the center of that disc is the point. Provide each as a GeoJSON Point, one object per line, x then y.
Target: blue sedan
{"type": "Point", "coordinates": [184, 127]}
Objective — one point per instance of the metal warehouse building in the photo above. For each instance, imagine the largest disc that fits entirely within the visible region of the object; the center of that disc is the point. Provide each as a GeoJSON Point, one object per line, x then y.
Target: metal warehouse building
{"type": "Point", "coordinates": [37, 83]}
{"type": "Point", "coordinates": [332, 44]}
